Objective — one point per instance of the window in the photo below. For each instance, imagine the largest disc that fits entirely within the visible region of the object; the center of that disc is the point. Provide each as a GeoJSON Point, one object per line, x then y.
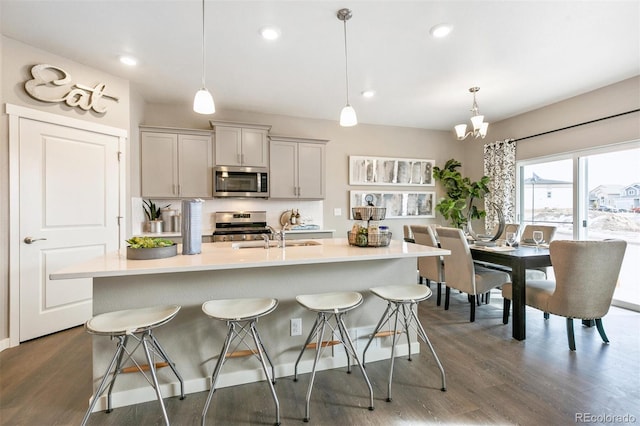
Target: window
{"type": "Point", "coordinates": [595, 189]}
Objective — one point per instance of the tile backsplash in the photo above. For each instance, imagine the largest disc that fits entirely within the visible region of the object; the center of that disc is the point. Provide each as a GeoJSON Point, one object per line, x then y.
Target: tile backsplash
{"type": "Point", "coordinates": [311, 212]}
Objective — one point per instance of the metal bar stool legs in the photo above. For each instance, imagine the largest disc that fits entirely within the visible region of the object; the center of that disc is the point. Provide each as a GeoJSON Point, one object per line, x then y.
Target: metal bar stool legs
{"type": "Point", "coordinates": [328, 306]}
{"type": "Point", "coordinates": [241, 316]}
{"type": "Point", "coordinates": [402, 301]}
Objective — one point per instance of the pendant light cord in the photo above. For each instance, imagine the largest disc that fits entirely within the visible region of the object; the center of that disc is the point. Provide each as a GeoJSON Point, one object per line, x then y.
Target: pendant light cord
{"type": "Point", "coordinates": [346, 60]}
{"type": "Point", "coordinates": [203, 48]}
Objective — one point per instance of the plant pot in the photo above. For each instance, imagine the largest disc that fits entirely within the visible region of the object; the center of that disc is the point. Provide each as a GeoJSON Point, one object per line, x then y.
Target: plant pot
{"type": "Point", "coordinates": [155, 226]}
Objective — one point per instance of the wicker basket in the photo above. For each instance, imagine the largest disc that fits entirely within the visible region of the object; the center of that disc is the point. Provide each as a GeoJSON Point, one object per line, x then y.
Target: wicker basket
{"type": "Point", "coordinates": [368, 213]}
{"type": "Point", "coordinates": [372, 240]}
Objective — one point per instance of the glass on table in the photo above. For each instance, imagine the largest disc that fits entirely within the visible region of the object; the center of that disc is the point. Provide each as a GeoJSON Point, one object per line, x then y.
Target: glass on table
{"type": "Point", "coordinates": [538, 237]}
{"type": "Point", "coordinates": [511, 238]}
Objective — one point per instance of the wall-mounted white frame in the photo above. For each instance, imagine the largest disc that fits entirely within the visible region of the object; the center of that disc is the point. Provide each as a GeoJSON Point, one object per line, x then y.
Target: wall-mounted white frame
{"type": "Point", "coordinates": [399, 204]}
{"type": "Point", "coordinates": [364, 170]}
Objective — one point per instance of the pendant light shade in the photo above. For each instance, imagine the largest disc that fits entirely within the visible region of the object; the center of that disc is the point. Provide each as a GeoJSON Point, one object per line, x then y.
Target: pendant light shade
{"type": "Point", "coordinates": [203, 101]}
{"type": "Point", "coordinates": [348, 116]}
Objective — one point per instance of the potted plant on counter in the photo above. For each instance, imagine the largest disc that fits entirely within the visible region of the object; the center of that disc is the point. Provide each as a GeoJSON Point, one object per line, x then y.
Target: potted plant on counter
{"type": "Point", "coordinates": [152, 212]}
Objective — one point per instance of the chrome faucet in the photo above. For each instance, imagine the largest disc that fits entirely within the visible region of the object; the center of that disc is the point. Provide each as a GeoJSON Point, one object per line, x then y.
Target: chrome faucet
{"type": "Point", "coordinates": [279, 236]}
{"type": "Point", "coordinates": [265, 237]}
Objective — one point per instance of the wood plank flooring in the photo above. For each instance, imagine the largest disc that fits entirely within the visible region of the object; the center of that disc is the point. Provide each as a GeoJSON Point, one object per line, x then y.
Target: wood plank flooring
{"type": "Point", "coordinates": [491, 379]}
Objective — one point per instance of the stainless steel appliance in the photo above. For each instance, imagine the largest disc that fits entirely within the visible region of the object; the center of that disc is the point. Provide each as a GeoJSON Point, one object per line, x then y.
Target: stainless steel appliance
{"type": "Point", "coordinates": [240, 182]}
{"type": "Point", "coordinates": [240, 226]}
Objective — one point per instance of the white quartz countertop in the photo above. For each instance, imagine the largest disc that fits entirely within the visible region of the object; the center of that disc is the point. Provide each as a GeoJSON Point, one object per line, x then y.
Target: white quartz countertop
{"type": "Point", "coordinates": [220, 256]}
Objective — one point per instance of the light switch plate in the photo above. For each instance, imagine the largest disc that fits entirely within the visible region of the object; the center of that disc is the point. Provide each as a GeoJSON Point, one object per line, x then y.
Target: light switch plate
{"type": "Point", "coordinates": [337, 211]}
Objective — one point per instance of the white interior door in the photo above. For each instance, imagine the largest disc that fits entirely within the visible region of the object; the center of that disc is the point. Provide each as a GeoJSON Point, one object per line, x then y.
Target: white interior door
{"type": "Point", "coordinates": [69, 200]}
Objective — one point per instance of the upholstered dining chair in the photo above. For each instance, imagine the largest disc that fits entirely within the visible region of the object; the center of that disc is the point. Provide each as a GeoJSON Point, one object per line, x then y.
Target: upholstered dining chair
{"type": "Point", "coordinates": [586, 273]}
{"type": "Point", "coordinates": [510, 227]}
{"type": "Point", "coordinates": [408, 235]}
{"type": "Point", "coordinates": [548, 232]}
{"type": "Point", "coordinates": [460, 271]}
{"type": "Point", "coordinates": [430, 268]}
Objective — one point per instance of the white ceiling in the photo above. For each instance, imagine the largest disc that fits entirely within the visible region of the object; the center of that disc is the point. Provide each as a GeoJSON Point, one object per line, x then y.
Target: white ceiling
{"type": "Point", "coordinates": [523, 54]}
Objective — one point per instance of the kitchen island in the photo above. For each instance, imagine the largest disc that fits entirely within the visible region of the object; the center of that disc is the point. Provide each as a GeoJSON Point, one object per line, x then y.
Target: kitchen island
{"type": "Point", "coordinates": [221, 271]}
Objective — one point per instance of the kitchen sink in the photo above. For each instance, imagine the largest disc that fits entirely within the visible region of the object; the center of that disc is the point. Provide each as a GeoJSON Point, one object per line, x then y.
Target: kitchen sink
{"type": "Point", "coordinates": [298, 243]}
{"type": "Point", "coordinates": [260, 244]}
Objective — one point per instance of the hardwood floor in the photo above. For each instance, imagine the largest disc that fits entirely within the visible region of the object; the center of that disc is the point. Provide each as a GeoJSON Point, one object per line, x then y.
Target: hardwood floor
{"type": "Point", "coordinates": [491, 379]}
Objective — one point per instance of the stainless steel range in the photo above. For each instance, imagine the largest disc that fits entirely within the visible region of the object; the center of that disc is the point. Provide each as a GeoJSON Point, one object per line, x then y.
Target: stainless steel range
{"type": "Point", "coordinates": [240, 226]}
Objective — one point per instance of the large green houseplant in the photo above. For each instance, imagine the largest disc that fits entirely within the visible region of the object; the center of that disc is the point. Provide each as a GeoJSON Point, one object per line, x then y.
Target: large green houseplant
{"type": "Point", "coordinates": [457, 207]}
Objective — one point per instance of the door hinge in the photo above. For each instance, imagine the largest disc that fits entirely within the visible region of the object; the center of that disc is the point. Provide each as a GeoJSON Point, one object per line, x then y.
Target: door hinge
{"type": "Point", "coordinates": [584, 223]}
{"type": "Point", "coordinates": [118, 218]}
{"type": "Point", "coordinates": [119, 155]}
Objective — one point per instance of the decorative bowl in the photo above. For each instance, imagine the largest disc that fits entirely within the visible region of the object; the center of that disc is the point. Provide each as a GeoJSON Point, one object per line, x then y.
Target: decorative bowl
{"type": "Point", "coordinates": [152, 253]}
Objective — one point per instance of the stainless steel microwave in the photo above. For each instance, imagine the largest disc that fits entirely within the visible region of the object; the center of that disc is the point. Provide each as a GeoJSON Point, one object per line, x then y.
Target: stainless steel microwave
{"type": "Point", "coordinates": [244, 182]}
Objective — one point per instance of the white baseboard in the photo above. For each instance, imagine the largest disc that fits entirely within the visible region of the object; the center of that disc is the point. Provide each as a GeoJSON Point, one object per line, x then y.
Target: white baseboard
{"type": "Point", "coordinates": [5, 344]}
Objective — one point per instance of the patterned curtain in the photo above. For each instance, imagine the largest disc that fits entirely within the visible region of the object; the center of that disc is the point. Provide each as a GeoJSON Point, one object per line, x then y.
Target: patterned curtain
{"type": "Point", "coordinates": [500, 166]}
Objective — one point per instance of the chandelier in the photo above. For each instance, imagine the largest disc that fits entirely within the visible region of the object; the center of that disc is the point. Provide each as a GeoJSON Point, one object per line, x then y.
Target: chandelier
{"type": "Point", "coordinates": [479, 125]}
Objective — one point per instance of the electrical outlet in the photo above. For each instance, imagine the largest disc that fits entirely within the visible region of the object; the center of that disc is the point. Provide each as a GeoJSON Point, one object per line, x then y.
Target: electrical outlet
{"type": "Point", "coordinates": [337, 211]}
{"type": "Point", "coordinates": [296, 326]}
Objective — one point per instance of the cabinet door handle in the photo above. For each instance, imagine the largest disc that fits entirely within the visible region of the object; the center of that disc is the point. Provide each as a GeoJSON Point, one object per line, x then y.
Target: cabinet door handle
{"type": "Point", "coordinates": [179, 189]}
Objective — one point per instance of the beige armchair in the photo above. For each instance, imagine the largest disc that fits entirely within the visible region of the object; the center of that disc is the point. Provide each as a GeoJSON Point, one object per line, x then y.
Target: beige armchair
{"type": "Point", "coordinates": [586, 274]}
{"type": "Point", "coordinates": [429, 267]}
{"type": "Point", "coordinates": [462, 274]}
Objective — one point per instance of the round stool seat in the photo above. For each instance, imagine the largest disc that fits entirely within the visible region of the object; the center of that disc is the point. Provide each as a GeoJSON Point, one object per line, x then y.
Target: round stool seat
{"type": "Point", "coordinates": [331, 302]}
{"type": "Point", "coordinates": [402, 293]}
{"type": "Point", "coordinates": [131, 321]}
{"type": "Point", "coordinates": [239, 309]}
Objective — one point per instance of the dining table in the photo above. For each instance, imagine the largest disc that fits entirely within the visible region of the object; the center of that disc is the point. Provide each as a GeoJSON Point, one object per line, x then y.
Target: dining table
{"type": "Point", "coordinates": [519, 259]}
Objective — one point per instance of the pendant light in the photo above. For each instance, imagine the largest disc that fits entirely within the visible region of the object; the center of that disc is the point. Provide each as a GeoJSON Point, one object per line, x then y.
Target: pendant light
{"type": "Point", "coordinates": [348, 115]}
{"type": "Point", "coordinates": [203, 101]}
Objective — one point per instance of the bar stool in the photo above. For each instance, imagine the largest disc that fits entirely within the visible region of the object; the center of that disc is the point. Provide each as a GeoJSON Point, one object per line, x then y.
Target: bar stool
{"type": "Point", "coordinates": [401, 302]}
{"type": "Point", "coordinates": [330, 305]}
{"type": "Point", "coordinates": [241, 316]}
{"type": "Point", "coordinates": [137, 324]}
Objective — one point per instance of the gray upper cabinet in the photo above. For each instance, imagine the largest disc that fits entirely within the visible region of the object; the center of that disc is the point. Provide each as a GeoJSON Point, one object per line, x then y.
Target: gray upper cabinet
{"type": "Point", "coordinates": [241, 144]}
{"type": "Point", "coordinates": [175, 163]}
{"type": "Point", "coordinates": [297, 168]}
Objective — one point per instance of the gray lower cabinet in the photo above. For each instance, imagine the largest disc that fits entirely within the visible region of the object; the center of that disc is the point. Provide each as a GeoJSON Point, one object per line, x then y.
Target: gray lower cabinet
{"type": "Point", "coordinates": [175, 163]}
{"type": "Point", "coordinates": [297, 168]}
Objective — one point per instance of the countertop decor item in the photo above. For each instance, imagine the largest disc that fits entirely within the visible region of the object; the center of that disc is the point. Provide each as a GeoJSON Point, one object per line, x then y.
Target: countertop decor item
{"type": "Point", "coordinates": [145, 248]}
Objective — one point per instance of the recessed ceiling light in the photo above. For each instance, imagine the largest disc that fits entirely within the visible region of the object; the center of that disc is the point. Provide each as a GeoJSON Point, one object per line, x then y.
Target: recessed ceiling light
{"type": "Point", "coordinates": [368, 93]}
{"type": "Point", "coordinates": [128, 60]}
{"type": "Point", "coordinates": [440, 30]}
{"type": "Point", "coordinates": [270, 33]}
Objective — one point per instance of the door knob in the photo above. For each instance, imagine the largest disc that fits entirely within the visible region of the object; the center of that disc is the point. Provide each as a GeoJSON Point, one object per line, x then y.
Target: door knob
{"type": "Point", "coordinates": [30, 240]}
